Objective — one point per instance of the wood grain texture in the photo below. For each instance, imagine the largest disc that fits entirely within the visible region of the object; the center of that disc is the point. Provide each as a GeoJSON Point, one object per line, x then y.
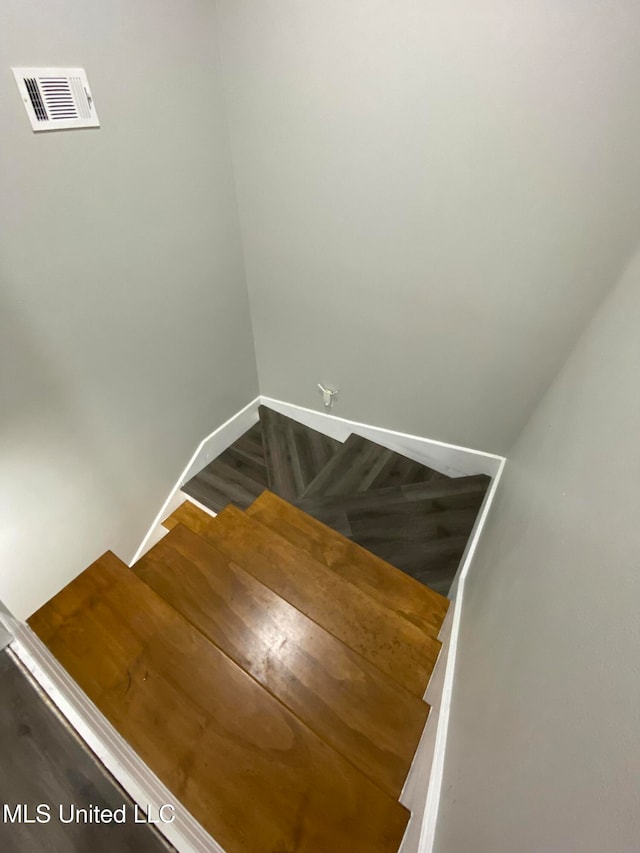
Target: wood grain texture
{"type": "Point", "coordinates": [422, 540]}
{"type": "Point", "coordinates": [420, 528]}
{"type": "Point", "coordinates": [294, 454]}
{"type": "Point", "coordinates": [44, 762]}
{"type": "Point", "coordinates": [336, 483]}
{"type": "Point", "coordinates": [347, 701]}
{"type": "Point", "coordinates": [433, 562]}
{"type": "Point", "coordinates": [393, 644]}
{"type": "Point", "coordinates": [251, 446]}
{"type": "Point", "coordinates": [361, 464]}
{"type": "Point", "coordinates": [353, 468]}
{"type": "Point", "coordinates": [443, 494]}
{"type": "Point", "coordinates": [238, 475]}
{"type": "Point", "coordinates": [379, 579]}
{"type": "Point", "coordinates": [255, 776]}
{"type": "Point", "coordinates": [401, 471]}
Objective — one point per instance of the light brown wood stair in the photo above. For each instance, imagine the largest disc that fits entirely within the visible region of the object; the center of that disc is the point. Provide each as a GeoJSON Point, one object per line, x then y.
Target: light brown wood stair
{"type": "Point", "coordinates": [393, 644]}
{"type": "Point", "coordinates": [248, 769]}
{"type": "Point", "coordinates": [324, 682]}
{"type": "Point", "coordinates": [389, 586]}
{"type": "Point", "coordinates": [268, 671]}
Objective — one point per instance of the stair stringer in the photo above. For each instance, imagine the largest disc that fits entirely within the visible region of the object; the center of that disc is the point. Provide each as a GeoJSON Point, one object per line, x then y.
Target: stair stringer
{"type": "Point", "coordinates": [423, 787]}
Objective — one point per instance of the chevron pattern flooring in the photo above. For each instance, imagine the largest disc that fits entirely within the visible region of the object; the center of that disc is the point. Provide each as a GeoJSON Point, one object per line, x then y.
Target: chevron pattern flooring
{"type": "Point", "coordinates": [413, 517]}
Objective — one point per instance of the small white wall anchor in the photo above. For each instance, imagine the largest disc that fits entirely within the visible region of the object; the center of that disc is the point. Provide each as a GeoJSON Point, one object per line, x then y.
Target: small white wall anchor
{"type": "Point", "coordinates": [327, 395]}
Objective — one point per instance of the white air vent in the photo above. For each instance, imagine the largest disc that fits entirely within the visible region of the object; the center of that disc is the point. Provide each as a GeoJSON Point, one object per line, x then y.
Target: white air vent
{"type": "Point", "coordinates": [56, 98]}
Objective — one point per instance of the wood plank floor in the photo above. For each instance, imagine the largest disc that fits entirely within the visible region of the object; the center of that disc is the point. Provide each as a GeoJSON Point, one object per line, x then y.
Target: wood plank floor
{"type": "Point", "coordinates": [388, 586]}
{"type": "Point", "coordinates": [347, 701]}
{"type": "Point", "coordinates": [294, 454]}
{"type": "Point", "coordinates": [276, 453]}
{"type": "Point", "coordinates": [238, 475]}
{"type": "Point", "coordinates": [245, 766]}
{"type": "Point", "coordinates": [393, 644]}
{"type": "Point", "coordinates": [376, 497]}
{"type": "Point", "coordinates": [360, 465]}
{"type": "Point", "coordinates": [44, 762]}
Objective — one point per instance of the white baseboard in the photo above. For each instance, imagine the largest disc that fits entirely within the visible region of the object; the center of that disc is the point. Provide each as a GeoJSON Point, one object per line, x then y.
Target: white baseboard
{"type": "Point", "coordinates": [416, 786]}
{"type": "Point", "coordinates": [208, 449]}
{"type": "Point", "coordinates": [449, 459]}
{"type": "Point", "coordinates": [426, 839]}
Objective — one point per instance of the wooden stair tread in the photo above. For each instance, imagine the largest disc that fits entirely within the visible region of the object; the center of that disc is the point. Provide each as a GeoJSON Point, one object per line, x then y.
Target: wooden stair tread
{"type": "Point", "coordinates": [294, 453]}
{"type": "Point", "coordinates": [407, 525]}
{"type": "Point", "coordinates": [254, 776]}
{"type": "Point", "coordinates": [251, 446]}
{"type": "Point", "coordinates": [233, 476]}
{"type": "Point", "coordinates": [392, 643]}
{"type": "Point", "coordinates": [411, 525]}
{"type": "Point", "coordinates": [347, 701]}
{"type": "Point", "coordinates": [352, 469]}
{"type": "Point", "coordinates": [361, 464]}
{"type": "Point", "coordinates": [433, 562]}
{"type": "Point", "coordinates": [375, 577]}
{"type": "Point", "coordinates": [438, 494]}
{"type": "Point", "coordinates": [401, 471]}
{"type": "Point", "coordinates": [332, 482]}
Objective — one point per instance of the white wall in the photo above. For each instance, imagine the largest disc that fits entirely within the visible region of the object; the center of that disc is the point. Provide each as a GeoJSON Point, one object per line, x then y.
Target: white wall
{"type": "Point", "coordinates": [544, 743]}
{"type": "Point", "coordinates": [124, 326]}
{"type": "Point", "coordinates": [434, 196]}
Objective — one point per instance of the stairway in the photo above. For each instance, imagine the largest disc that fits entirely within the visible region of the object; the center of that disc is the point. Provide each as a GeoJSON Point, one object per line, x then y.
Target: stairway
{"type": "Point", "coordinates": [268, 668]}
{"type": "Point", "coordinates": [272, 680]}
{"type": "Point", "coordinates": [406, 513]}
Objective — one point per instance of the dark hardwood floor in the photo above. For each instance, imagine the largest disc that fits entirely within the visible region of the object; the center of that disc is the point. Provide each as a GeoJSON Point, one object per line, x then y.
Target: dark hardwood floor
{"type": "Point", "coordinates": [42, 762]}
{"type": "Point", "coordinates": [404, 512]}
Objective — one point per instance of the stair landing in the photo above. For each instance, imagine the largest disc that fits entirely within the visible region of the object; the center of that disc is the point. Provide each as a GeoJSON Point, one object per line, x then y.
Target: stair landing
{"type": "Point", "coordinates": [404, 512]}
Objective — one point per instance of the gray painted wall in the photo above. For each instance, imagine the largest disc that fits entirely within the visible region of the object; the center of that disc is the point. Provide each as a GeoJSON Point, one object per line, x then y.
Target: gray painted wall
{"type": "Point", "coordinates": [544, 743]}
{"type": "Point", "coordinates": [124, 325]}
{"type": "Point", "coordinates": [434, 197]}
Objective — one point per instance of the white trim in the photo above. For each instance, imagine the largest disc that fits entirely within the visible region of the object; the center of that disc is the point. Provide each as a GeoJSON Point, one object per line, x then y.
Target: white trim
{"type": "Point", "coordinates": [6, 638]}
{"type": "Point", "coordinates": [143, 786]}
{"type": "Point", "coordinates": [451, 459]}
{"type": "Point", "coordinates": [414, 790]}
{"type": "Point", "coordinates": [416, 787]}
{"type": "Point", "coordinates": [208, 449]}
{"type": "Point", "coordinates": [434, 791]}
{"type": "Point", "coordinates": [200, 506]}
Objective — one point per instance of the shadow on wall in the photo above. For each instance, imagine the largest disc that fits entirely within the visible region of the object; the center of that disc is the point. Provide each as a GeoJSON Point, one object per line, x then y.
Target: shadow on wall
{"type": "Point", "coordinates": [64, 493]}
{"type": "Point", "coordinates": [544, 724]}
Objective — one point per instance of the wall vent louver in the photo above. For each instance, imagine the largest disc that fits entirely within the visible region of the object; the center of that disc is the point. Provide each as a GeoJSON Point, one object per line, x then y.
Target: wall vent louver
{"type": "Point", "coordinates": [56, 98]}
